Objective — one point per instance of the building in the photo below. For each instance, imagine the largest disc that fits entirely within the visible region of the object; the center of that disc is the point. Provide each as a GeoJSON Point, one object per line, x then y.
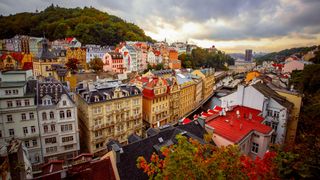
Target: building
{"type": "Point", "coordinates": [151, 58]}
{"type": "Point", "coordinates": [107, 110]}
{"type": "Point", "coordinates": [82, 167]}
{"type": "Point", "coordinates": [43, 62]}
{"type": "Point", "coordinates": [18, 112]}
{"type": "Point", "coordinates": [130, 56]}
{"type": "Point", "coordinates": [93, 51]}
{"type": "Point", "coordinates": [78, 54]}
{"type": "Point", "coordinates": [291, 65]}
{"type": "Point", "coordinates": [208, 80]}
{"type": "Point", "coordinates": [296, 99]}
{"type": "Point", "coordinates": [187, 93]}
{"type": "Point", "coordinates": [248, 55]}
{"type": "Point", "coordinates": [155, 101]}
{"type": "Point", "coordinates": [11, 61]}
{"type": "Point", "coordinates": [174, 63]}
{"type": "Point", "coordinates": [166, 136]}
{"type": "Point", "coordinates": [275, 109]}
{"type": "Point", "coordinates": [174, 100]}
{"type": "Point", "coordinates": [113, 61]}
{"type": "Point", "coordinates": [58, 121]}
{"type": "Point", "coordinates": [240, 126]}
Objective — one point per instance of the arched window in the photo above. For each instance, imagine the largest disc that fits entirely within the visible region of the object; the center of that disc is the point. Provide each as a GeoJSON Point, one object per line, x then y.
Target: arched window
{"type": "Point", "coordinates": [51, 115]}
{"type": "Point", "coordinates": [44, 116]}
{"type": "Point", "coordinates": [68, 113]}
{"type": "Point", "coordinates": [61, 114]}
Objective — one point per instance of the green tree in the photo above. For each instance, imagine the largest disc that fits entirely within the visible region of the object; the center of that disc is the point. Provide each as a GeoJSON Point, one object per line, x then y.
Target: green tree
{"type": "Point", "coordinates": [96, 64]}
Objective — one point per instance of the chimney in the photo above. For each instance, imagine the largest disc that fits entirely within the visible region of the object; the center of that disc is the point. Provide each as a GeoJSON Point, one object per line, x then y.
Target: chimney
{"type": "Point", "coordinates": [250, 116]}
{"type": "Point", "coordinates": [241, 126]}
{"type": "Point", "coordinates": [117, 150]}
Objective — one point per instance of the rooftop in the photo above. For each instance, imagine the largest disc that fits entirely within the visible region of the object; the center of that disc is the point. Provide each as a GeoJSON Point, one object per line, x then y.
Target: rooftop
{"type": "Point", "coordinates": [238, 123]}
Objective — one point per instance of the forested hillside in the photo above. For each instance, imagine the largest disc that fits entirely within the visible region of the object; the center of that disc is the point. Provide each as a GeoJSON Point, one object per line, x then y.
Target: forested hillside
{"type": "Point", "coordinates": [88, 25]}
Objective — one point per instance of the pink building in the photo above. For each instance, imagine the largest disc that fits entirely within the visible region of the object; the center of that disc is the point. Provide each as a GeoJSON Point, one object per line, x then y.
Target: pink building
{"type": "Point", "coordinates": [292, 65]}
{"type": "Point", "coordinates": [240, 126]}
{"type": "Point", "coordinates": [113, 61]}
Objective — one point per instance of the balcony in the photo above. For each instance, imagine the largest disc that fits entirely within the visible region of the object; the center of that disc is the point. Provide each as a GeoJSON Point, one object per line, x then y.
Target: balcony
{"type": "Point", "coordinates": [30, 135]}
{"type": "Point", "coordinates": [97, 127]}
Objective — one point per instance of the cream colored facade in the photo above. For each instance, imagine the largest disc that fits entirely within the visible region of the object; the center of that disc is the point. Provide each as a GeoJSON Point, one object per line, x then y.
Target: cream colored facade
{"type": "Point", "coordinates": [187, 96]}
{"type": "Point", "coordinates": [207, 76]}
{"type": "Point", "coordinates": [296, 100]}
{"type": "Point", "coordinates": [109, 117]}
{"type": "Point", "coordinates": [43, 67]}
{"type": "Point", "coordinates": [174, 101]}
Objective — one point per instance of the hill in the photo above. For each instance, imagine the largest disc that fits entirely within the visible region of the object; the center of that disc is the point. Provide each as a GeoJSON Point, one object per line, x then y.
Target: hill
{"type": "Point", "coordinates": [88, 25]}
{"type": "Point", "coordinates": [281, 55]}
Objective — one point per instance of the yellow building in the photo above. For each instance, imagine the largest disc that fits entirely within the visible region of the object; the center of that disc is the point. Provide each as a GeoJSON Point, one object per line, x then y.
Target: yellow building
{"type": "Point", "coordinates": [187, 94]}
{"type": "Point", "coordinates": [79, 54]}
{"type": "Point", "coordinates": [296, 100]}
{"type": "Point", "coordinates": [174, 100]}
{"type": "Point", "coordinates": [208, 81]}
{"type": "Point", "coordinates": [107, 110]}
{"type": "Point", "coordinates": [42, 64]}
{"type": "Point", "coordinates": [251, 75]}
{"type": "Point", "coordinates": [155, 100]}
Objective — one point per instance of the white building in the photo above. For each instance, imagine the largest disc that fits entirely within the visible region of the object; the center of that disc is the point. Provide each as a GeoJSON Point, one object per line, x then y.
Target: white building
{"type": "Point", "coordinates": [18, 111]}
{"type": "Point", "coordinates": [151, 58]}
{"type": "Point", "coordinates": [275, 108]}
{"type": "Point", "coordinates": [58, 121]}
{"type": "Point", "coordinates": [93, 51]}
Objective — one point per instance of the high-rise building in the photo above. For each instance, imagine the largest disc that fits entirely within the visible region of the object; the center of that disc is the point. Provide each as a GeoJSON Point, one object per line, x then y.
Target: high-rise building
{"type": "Point", "coordinates": [248, 55]}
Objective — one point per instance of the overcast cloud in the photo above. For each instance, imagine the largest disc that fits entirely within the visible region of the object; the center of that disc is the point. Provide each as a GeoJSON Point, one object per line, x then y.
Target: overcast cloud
{"type": "Point", "coordinates": [264, 25]}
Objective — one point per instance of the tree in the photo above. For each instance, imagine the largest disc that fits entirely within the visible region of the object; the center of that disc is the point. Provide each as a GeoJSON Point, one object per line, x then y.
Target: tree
{"type": "Point", "coordinates": [72, 64]}
{"type": "Point", "coordinates": [96, 64]}
{"type": "Point", "coordinates": [189, 159]}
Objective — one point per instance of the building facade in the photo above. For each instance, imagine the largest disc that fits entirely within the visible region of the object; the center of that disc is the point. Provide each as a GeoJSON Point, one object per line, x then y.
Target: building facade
{"type": "Point", "coordinates": [113, 61]}
{"type": "Point", "coordinates": [108, 110]}
{"type": "Point", "coordinates": [18, 112]}
{"type": "Point", "coordinates": [58, 121]}
{"type": "Point", "coordinates": [187, 93]}
{"type": "Point", "coordinates": [79, 54]}
{"type": "Point", "coordinates": [208, 80]}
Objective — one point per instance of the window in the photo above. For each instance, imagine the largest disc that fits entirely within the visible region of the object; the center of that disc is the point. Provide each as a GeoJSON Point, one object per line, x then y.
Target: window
{"type": "Point", "coordinates": [27, 102]}
{"type": "Point", "coordinates": [0, 133]}
{"type": "Point", "coordinates": [51, 115]}
{"type": "Point", "coordinates": [68, 113]}
{"type": "Point", "coordinates": [26, 143]}
{"type": "Point", "coordinates": [51, 149]}
{"type": "Point", "coordinates": [36, 158]}
{"type": "Point", "coordinates": [11, 132]}
{"type": "Point", "coordinates": [15, 91]}
{"type": "Point", "coordinates": [51, 140]}
{"type": "Point", "coordinates": [9, 103]}
{"type": "Point", "coordinates": [61, 114]}
{"type": "Point", "coordinates": [255, 147]}
{"type": "Point", "coordinates": [53, 127]}
{"type": "Point", "coordinates": [64, 103]}
{"type": "Point", "coordinates": [67, 127]}
{"type": "Point", "coordinates": [25, 130]}
{"type": "Point", "coordinates": [33, 129]}
{"type": "Point", "coordinates": [68, 147]}
{"type": "Point", "coordinates": [45, 128]}
{"type": "Point", "coordinates": [23, 116]}
{"type": "Point", "coordinates": [34, 143]}
{"type": "Point", "coordinates": [256, 136]}
{"type": "Point", "coordinates": [8, 92]}
{"type": "Point", "coordinates": [98, 133]}
{"type": "Point", "coordinates": [44, 116]}
{"type": "Point", "coordinates": [108, 108]}
{"type": "Point", "coordinates": [276, 114]}
{"type": "Point", "coordinates": [18, 103]}
{"type": "Point", "coordinates": [67, 139]}
{"type": "Point", "coordinates": [31, 115]}
{"type": "Point", "coordinates": [274, 126]}
{"type": "Point", "coordinates": [9, 118]}
{"type": "Point", "coordinates": [97, 110]}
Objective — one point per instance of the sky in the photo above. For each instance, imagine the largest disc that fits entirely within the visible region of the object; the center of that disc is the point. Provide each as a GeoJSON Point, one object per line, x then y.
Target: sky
{"type": "Point", "coordinates": [230, 25]}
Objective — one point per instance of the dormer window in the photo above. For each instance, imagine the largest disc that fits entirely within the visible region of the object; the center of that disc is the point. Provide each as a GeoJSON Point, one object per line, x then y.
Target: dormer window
{"type": "Point", "coordinates": [64, 103]}
{"type": "Point", "coordinates": [96, 98]}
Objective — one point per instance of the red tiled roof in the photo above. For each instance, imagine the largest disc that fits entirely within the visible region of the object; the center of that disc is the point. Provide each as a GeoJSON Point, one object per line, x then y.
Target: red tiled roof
{"type": "Point", "coordinates": [15, 55]}
{"type": "Point", "coordinates": [235, 129]}
{"type": "Point", "coordinates": [69, 39]}
{"type": "Point", "coordinates": [186, 121]}
{"type": "Point", "coordinates": [157, 53]}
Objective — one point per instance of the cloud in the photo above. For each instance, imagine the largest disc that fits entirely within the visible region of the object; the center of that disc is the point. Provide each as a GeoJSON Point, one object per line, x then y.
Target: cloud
{"type": "Point", "coordinates": [209, 20]}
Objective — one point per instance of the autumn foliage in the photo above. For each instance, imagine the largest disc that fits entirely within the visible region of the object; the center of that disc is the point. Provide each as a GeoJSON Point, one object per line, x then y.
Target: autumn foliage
{"type": "Point", "coordinates": [189, 159]}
